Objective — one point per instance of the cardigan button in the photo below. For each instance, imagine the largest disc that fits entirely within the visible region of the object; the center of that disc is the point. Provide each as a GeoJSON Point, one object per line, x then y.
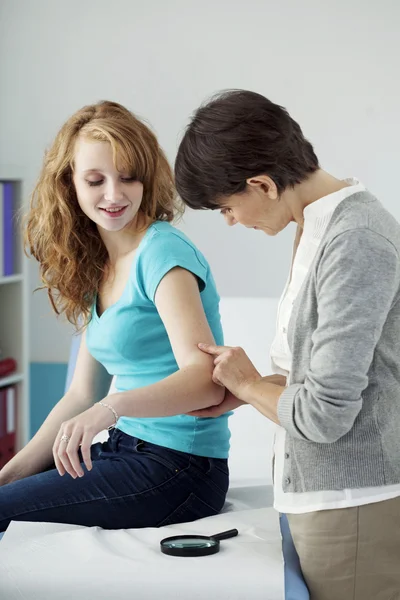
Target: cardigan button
{"type": "Point", "coordinates": [287, 480]}
{"type": "Point", "coordinates": [287, 455]}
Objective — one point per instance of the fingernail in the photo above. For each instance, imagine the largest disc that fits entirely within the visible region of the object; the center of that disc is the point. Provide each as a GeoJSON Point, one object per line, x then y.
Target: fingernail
{"type": "Point", "coordinates": [201, 345]}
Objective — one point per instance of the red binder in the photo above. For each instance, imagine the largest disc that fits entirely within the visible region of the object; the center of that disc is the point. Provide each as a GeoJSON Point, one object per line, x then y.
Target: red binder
{"type": "Point", "coordinates": [7, 366]}
{"type": "Point", "coordinates": [8, 415]}
{"type": "Point", "coordinates": [3, 412]}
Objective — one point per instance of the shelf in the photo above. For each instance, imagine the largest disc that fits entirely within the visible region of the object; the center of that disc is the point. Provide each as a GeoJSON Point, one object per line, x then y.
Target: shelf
{"type": "Point", "coordinates": [11, 379]}
{"type": "Point", "coordinates": [15, 306]}
{"type": "Point", "coordinates": [11, 279]}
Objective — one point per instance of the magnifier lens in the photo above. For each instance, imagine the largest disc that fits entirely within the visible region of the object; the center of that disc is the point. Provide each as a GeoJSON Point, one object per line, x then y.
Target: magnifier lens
{"type": "Point", "coordinates": [195, 545]}
{"type": "Point", "coordinates": [190, 543]}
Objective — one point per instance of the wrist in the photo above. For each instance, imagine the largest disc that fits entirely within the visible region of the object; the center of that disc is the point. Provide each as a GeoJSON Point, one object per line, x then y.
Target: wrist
{"type": "Point", "coordinates": [112, 411]}
{"type": "Point", "coordinates": [248, 390]}
{"type": "Point", "coordinates": [13, 471]}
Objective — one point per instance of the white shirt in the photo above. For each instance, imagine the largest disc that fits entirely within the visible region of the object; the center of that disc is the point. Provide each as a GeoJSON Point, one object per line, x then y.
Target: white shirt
{"type": "Point", "coordinates": [316, 219]}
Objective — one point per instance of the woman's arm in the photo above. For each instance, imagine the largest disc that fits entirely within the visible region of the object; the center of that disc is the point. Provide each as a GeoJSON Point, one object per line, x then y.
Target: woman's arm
{"type": "Point", "coordinates": [89, 384]}
{"type": "Point", "coordinates": [179, 305]}
{"type": "Point", "coordinates": [358, 280]}
{"type": "Point", "coordinates": [231, 402]}
{"type": "Point", "coordinates": [234, 370]}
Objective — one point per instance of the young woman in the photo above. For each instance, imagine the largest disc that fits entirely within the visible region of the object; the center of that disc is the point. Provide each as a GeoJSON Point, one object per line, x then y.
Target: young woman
{"type": "Point", "coordinates": [99, 225]}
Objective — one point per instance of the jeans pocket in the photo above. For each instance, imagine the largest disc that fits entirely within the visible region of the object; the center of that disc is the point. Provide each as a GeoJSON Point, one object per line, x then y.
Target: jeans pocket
{"type": "Point", "coordinates": [191, 509]}
{"type": "Point", "coordinates": [213, 472]}
{"type": "Point", "coordinates": [160, 455]}
{"type": "Point", "coordinates": [220, 465]}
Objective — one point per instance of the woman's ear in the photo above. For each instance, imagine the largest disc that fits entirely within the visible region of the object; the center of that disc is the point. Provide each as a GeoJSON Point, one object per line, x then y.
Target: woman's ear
{"type": "Point", "coordinates": [265, 185]}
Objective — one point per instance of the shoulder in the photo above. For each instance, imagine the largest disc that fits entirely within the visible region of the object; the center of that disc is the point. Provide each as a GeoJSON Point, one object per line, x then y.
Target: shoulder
{"type": "Point", "coordinates": [362, 216]}
{"type": "Point", "coordinates": [164, 249]}
{"type": "Point", "coordinates": [164, 241]}
{"type": "Point", "coordinates": [161, 230]}
{"type": "Point", "coordinates": [360, 256]}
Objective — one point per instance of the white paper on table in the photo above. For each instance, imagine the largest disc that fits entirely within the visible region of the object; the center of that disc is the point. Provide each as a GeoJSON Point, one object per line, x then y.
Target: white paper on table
{"type": "Point", "coordinates": [45, 561]}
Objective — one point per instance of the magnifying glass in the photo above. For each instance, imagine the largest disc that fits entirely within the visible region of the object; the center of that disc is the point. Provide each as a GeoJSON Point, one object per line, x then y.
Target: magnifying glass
{"type": "Point", "coordinates": [195, 545]}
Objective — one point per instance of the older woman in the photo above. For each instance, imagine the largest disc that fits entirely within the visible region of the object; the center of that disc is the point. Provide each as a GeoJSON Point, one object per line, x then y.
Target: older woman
{"type": "Point", "coordinates": [337, 446]}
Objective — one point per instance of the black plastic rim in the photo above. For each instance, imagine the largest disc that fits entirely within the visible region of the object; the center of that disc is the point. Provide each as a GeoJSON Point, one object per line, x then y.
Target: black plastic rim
{"type": "Point", "coordinates": [189, 552]}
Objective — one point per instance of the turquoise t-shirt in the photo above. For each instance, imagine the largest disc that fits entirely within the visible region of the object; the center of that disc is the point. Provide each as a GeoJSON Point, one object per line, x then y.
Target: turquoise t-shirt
{"type": "Point", "coordinates": [130, 340]}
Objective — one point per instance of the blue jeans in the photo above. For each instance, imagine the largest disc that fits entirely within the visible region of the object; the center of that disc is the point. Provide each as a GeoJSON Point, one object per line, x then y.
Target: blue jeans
{"type": "Point", "coordinates": [132, 484]}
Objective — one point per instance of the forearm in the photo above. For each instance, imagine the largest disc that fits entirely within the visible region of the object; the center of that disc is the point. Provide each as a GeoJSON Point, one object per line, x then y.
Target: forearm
{"type": "Point", "coordinates": [264, 396]}
{"type": "Point", "coordinates": [190, 388]}
{"type": "Point", "coordinates": [37, 455]}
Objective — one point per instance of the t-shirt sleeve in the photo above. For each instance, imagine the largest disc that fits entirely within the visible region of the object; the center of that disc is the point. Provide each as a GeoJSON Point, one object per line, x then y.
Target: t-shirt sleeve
{"type": "Point", "coordinates": [166, 251]}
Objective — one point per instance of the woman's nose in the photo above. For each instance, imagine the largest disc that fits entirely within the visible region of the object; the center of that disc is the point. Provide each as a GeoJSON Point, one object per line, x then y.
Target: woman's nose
{"type": "Point", "coordinates": [230, 220]}
{"type": "Point", "coordinates": [113, 192]}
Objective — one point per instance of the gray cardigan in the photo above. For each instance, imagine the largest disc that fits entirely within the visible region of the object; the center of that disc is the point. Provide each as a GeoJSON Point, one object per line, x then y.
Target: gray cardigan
{"type": "Point", "coordinates": [341, 409]}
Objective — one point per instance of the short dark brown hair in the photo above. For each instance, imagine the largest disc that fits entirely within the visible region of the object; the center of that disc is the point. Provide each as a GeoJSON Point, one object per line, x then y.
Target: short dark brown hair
{"type": "Point", "coordinates": [236, 135]}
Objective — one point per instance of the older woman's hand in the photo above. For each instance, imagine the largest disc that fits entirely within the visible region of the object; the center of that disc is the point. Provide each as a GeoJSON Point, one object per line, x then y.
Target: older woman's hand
{"type": "Point", "coordinates": [232, 369]}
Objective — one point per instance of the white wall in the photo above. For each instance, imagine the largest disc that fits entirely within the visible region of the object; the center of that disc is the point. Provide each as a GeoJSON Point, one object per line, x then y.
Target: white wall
{"type": "Point", "coordinates": [250, 323]}
{"type": "Point", "coordinates": [334, 65]}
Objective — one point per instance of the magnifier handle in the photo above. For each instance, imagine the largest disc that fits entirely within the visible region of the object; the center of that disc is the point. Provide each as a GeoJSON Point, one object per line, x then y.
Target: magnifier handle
{"type": "Point", "coordinates": [225, 535]}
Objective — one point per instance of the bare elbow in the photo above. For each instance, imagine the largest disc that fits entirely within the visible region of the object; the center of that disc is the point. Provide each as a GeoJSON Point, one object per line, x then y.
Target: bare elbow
{"type": "Point", "coordinates": [214, 393]}
{"type": "Point", "coordinates": [218, 394]}
{"type": "Point", "coordinates": [207, 391]}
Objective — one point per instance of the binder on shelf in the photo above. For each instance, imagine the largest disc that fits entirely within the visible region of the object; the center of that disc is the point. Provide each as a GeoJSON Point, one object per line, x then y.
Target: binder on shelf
{"type": "Point", "coordinates": [1, 231]}
{"type": "Point", "coordinates": [8, 410]}
{"type": "Point", "coordinates": [3, 412]}
{"type": "Point", "coordinates": [6, 229]}
{"type": "Point", "coordinates": [7, 366]}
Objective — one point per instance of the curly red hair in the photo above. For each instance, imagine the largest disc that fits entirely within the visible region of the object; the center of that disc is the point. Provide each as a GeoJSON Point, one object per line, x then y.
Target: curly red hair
{"type": "Point", "coordinates": [59, 235]}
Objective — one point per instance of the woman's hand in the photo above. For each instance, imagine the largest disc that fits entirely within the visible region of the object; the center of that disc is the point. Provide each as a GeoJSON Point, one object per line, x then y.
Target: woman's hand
{"type": "Point", "coordinates": [230, 402]}
{"type": "Point", "coordinates": [232, 369]}
{"type": "Point", "coordinates": [79, 433]}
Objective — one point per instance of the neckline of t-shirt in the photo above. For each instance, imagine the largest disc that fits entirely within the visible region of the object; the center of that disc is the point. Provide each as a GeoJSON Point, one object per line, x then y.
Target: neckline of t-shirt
{"type": "Point", "coordinates": [139, 249]}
